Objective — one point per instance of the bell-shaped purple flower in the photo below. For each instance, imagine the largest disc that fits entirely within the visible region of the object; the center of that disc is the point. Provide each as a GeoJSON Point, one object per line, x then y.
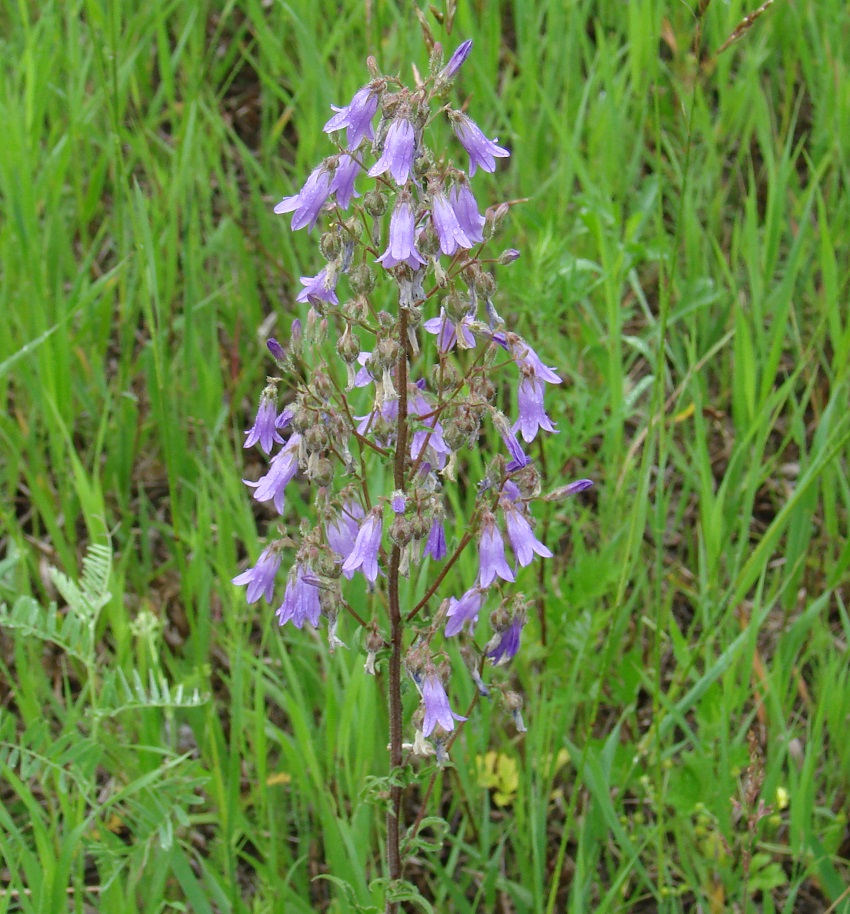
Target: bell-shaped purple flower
{"type": "Point", "coordinates": [341, 532]}
{"type": "Point", "coordinates": [356, 117]}
{"type": "Point", "coordinates": [283, 467]}
{"type": "Point", "coordinates": [522, 539]}
{"type": "Point", "coordinates": [301, 600]}
{"type": "Point", "coordinates": [503, 646]}
{"type": "Point", "coordinates": [465, 208]}
{"type": "Point", "coordinates": [321, 286]}
{"type": "Point", "coordinates": [491, 555]}
{"type": "Point", "coordinates": [437, 708]}
{"type": "Point", "coordinates": [527, 360]}
{"type": "Point", "coordinates": [263, 429]}
{"type": "Point", "coordinates": [431, 438]}
{"type": "Point", "coordinates": [402, 244]}
{"type": "Point", "coordinates": [364, 556]}
{"type": "Point", "coordinates": [308, 202]}
{"type": "Point", "coordinates": [447, 331]}
{"type": "Point", "coordinates": [435, 544]}
{"type": "Point", "coordinates": [446, 225]}
{"type": "Point", "coordinates": [518, 456]}
{"type": "Point", "coordinates": [482, 152]}
{"type": "Point", "coordinates": [532, 415]}
{"type": "Point", "coordinates": [260, 578]}
{"type": "Point", "coordinates": [457, 59]}
{"type": "Point", "coordinates": [464, 610]}
{"type": "Point", "coordinates": [343, 180]}
{"type": "Point", "coordinates": [397, 154]}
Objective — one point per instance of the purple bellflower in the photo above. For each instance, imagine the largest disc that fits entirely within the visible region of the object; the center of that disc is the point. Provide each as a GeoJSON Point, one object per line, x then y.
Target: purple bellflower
{"type": "Point", "coordinates": [503, 646]}
{"type": "Point", "coordinates": [402, 243]}
{"type": "Point", "coordinates": [320, 286]}
{"type": "Point", "coordinates": [301, 599]}
{"type": "Point", "coordinates": [518, 456]}
{"type": "Point", "coordinates": [482, 152]}
{"type": "Point", "coordinates": [464, 610]}
{"type": "Point", "coordinates": [343, 180]}
{"type": "Point", "coordinates": [465, 208]}
{"type": "Point", "coordinates": [491, 555]}
{"type": "Point", "coordinates": [397, 155]}
{"type": "Point", "coordinates": [364, 555]}
{"type": "Point", "coordinates": [446, 225]}
{"type": "Point", "coordinates": [260, 578]}
{"type": "Point", "coordinates": [283, 467]}
{"type": "Point", "coordinates": [435, 544]}
{"type": "Point", "coordinates": [437, 708]}
{"type": "Point", "coordinates": [532, 415]}
{"type": "Point", "coordinates": [527, 360]}
{"type": "Point", "coordinates": [356, 117]}
{"type": "Point", "coordinates": [263, 429]}
{"type": "Point", "coordinates": [522, 539]}
{"type": "Point", "coordinates": [341, 532]}
{"type": "Point", "coordinates": [448, 332]}
{"type": "Point", "coordinates": [306, 205]}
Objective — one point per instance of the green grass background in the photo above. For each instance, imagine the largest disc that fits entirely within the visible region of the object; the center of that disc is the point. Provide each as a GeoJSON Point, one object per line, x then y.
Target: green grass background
{"type": "Point", "coordinates": [684, 264]}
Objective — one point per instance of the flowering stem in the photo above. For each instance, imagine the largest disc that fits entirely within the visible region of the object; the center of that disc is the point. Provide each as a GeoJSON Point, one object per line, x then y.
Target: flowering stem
{"type": "Point", "coordinates": [396, 624]}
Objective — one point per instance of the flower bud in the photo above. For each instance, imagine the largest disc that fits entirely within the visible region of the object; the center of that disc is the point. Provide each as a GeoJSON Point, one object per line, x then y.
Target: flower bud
{"type": "Point", "coordinates": [348, 346]}
{"type": "Point", "coordinates": [508, 256]}
{"type": "Point", "coordinates": [330, 245]}
{"type": "Point", "coordinates": [401, 530]}
{"type": "Point", "coordinates": [375, 203]}
{"type": "Point", "coordinates": [323, 475]}
{"type": "Point", "coordinates": [362, 279]}
{"type": "Point", "coordinates": [277, 351]}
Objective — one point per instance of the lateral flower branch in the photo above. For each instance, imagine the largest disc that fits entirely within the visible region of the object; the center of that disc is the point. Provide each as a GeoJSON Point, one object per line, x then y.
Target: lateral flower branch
{"type": "Point", "coordinates": [409, 389]}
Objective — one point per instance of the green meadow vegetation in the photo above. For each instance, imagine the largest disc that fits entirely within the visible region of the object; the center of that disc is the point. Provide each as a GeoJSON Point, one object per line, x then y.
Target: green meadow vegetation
{"type": "Point", "coordinates": [683, 221]}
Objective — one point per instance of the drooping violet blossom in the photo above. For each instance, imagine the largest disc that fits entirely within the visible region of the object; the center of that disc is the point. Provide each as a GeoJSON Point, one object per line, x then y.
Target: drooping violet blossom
{"type": "Point", "coordinates": [301, 599]}
{"type": "Point", "coordinates": [402, 242]}
{"type": "Point", "coordinates": [449, 232]}
{"type": "Point", "coordinates": [527, 360]}
{"type": "Point", "coordinates": [397, 154]}
{"type": "Point", "coordinates": [437, 708]}
{"type": "Point", "coordinates": [283, 467]}
{"type": "Point", "coordinates": [364, 556]}
{"type": "Point", "coordinates": [457, 59]}
{"type": "Point", "coordinates": [284, 418]}
{"type": "Point", "coordinates": [320, 286]}
{"type": "Point", "coordinates": [398, 503]}
{"type": "Point", "coordinates": [306, 205]}
{"type": "Point", "coordinates": [431, 438]}
{"type": "Point", "coordinates": [341, 532]}
{"type": "Point", "coordinates": [464, 610]}
{"type": "Point", "coordinates": [435, 544]}
{"type": "Point", "coordinates": [503, 646]}
{"type": "Point", "coordinates": [491, 555]}
{"type": "Point", "coordinates": [522, 539]}
{"type": "Point", "coordinates": [448, 332]}
{"type": "Point", "coordinates": [356, 116]}
{"type": "Point", "coordinates": [518, 456]}
{"type": "Point", "coordinates": [532, 415]}
{"type": "Point", "coordinates": [260, 578]}
{"type": "Point", "coordinates": [465, 208]}
{"type": "Point", "coordinates": [482, 152]}
{"type": "Point", "coordinates": [263, 429]}
{"type": "Point", "coordinates": [343, 180]}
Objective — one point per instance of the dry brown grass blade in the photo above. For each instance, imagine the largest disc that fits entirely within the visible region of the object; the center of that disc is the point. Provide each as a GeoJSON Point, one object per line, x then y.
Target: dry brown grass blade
{"type": "Point", "coordinates": [744, 26]}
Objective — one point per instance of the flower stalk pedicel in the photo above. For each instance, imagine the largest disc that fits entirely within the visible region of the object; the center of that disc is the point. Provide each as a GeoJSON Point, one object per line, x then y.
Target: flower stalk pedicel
{"type": "Point", "coordinates": [379, 423]}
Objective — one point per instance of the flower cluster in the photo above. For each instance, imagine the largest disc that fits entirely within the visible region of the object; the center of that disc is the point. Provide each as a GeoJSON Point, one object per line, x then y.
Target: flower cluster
{"type": "Point", "coordinates": [377, 436]}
